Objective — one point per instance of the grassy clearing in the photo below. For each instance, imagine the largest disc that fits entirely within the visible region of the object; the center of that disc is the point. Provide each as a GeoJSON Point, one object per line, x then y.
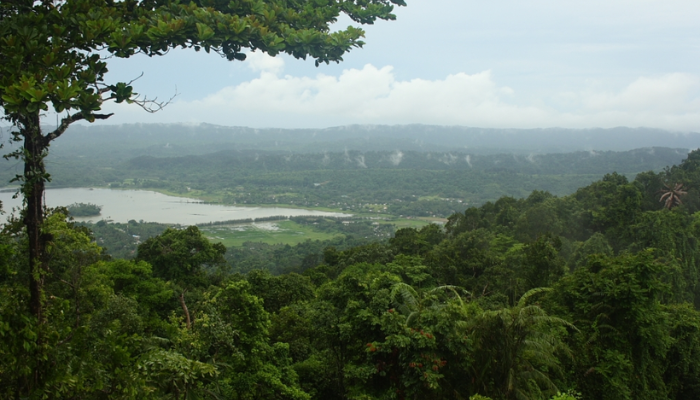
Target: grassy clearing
{"type": "Point", "coordinates": [433, 220]}
{"type": "Point", "coordinates": [409, 223]}
{"type": "Point", "coordinates": [284, 232]}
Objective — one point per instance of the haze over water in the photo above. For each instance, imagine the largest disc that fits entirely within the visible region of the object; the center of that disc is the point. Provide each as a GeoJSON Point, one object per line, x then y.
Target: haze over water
{"type": "Point", "coordinates": [124, 205]}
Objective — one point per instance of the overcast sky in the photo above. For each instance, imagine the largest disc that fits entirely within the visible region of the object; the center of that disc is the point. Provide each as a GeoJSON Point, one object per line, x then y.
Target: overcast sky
{"type": "Point", "coordinates": [498, 63]}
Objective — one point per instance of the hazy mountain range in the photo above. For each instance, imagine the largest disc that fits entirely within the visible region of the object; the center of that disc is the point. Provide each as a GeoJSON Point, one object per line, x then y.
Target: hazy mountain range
{"type": "Point", "coordinates": [180, 139]}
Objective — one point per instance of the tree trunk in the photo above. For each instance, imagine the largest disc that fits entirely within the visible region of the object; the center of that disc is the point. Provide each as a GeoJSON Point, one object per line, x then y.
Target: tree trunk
{"type": "Point", "coordinates": [186, 311]}
{"type": "Point", "coordinates": [33, 217]}
{"type": "Point", "coordinates": [33, 152]}
{"type": "Point", "coordinates": [33, 190]}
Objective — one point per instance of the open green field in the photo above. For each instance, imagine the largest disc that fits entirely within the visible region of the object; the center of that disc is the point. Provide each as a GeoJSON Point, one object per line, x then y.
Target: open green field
{"type": "Point", "coordinates": [416, 223]}
{"type": "Point", "coordinates": [284, 232]}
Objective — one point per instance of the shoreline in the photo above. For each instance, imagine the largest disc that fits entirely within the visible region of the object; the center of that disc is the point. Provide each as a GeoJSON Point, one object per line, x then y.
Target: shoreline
{"type": "Point", "coordinates": [209, 199]}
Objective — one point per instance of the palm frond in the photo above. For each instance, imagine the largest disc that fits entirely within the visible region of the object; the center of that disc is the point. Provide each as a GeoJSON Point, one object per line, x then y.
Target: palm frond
{"type": "Point", "coordinates": [532, 292]}
{"type": "Point", "coordinates": [408, 295]}
{"type": "Point", "coordinates": [671, 196]}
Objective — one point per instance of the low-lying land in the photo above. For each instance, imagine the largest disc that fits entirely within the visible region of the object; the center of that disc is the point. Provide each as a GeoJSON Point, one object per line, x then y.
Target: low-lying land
{"type": "Point", "coordinates": [593, 295]}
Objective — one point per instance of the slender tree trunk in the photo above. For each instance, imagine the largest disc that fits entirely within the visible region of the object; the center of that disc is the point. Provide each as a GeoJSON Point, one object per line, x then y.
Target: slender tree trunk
{"type": "Point", "coordinates": [185, 310]}
{"type": "Point", "coordinates": [33, 190]}
{"type": "Point", "coordinates": [33, 152]}
{"type": "Point", "coordinates": [33, 214]}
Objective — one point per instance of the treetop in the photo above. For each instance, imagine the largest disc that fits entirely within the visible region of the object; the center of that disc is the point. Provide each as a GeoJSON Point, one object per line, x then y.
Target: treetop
{"type": "Point", "coordinates": [55, 52]}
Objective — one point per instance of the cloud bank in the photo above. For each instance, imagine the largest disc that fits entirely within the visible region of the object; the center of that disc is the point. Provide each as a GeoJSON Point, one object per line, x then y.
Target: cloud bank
{"type": "Point", "coordinates": [373, 95]}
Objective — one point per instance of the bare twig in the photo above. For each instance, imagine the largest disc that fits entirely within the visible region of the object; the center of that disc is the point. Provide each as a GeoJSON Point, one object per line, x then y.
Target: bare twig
{"type": "Point", "coordinates": [153, 106]}
{"type": "Point", "coordinates": [135, 79]}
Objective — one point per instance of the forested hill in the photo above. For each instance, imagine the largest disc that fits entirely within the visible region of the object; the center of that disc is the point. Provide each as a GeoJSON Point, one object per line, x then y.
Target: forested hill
{"type": "Point", "coordinates": [408, 183]}
{"type": "Point", "coordinates": [582, 162]}
{"type": "Point", "coordinates": [181, 139]}
{"type": "Point", "coordinates": [590, 296]}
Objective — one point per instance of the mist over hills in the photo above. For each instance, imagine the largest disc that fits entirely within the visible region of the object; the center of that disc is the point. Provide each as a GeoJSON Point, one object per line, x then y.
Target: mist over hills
{"type": "Point", "coordinates": [581, 162]}
{"type": "Point", "coordinates": [176, 156]}
{"type": "Point", "coordinates": [126, 141]}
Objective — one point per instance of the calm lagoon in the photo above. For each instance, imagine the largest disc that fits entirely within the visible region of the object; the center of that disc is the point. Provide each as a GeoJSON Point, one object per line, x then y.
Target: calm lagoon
{"type": "Point", "coordinates": [125, 205]}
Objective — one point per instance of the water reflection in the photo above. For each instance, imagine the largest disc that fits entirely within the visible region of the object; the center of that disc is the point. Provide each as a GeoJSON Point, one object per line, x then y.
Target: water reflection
{"type": "Point", "coordinates": [125, 205]}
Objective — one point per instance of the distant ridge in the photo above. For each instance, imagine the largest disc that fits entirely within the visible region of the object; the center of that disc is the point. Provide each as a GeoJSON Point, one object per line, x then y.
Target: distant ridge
{"type": "Point", "coordinates": [179, 139]}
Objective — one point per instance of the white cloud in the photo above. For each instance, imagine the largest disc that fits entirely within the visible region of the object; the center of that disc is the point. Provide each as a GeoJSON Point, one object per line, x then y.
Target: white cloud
{"type": "Point", "coordinates": [368, 95]}
{"type": "Point", "coordinates": [374, 95]}
{"type": "Point", "coordinates": [666, 94]}
{"type": "Point", "coordinates": [261, 62]}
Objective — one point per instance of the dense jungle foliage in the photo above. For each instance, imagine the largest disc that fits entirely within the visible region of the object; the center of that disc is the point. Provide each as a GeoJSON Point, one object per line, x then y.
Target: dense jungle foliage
{"type": "Point", "coordinates": [593, 295]}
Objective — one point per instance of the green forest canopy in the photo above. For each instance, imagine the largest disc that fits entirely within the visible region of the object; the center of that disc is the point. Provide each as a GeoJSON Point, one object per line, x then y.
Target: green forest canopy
{"type": "Point", "coordinates": [53, 57]}
{"type": "Point", "coordinates": [594, 295]}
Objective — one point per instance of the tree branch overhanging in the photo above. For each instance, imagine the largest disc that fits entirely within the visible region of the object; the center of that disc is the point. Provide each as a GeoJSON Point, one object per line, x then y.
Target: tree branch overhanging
{"type": "Point", "coordinates": [66, 122]}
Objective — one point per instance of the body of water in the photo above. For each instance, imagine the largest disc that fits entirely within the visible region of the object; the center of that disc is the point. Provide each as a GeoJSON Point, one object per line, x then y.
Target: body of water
{"type": "Point", "coordinates": [125, 205]}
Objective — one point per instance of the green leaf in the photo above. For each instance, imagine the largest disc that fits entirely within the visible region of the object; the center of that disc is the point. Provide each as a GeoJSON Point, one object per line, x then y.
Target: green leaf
{"type": "Point", "coordinates": [204, 32]}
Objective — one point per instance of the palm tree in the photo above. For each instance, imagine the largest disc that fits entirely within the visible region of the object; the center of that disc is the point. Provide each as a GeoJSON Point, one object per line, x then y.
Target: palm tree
{"type": "Point", "coordinates": [516, 351]}
{"type": "Point", "coordinates": [671, 197]}
{"type": "Point", "coordinates": [412, 302]}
